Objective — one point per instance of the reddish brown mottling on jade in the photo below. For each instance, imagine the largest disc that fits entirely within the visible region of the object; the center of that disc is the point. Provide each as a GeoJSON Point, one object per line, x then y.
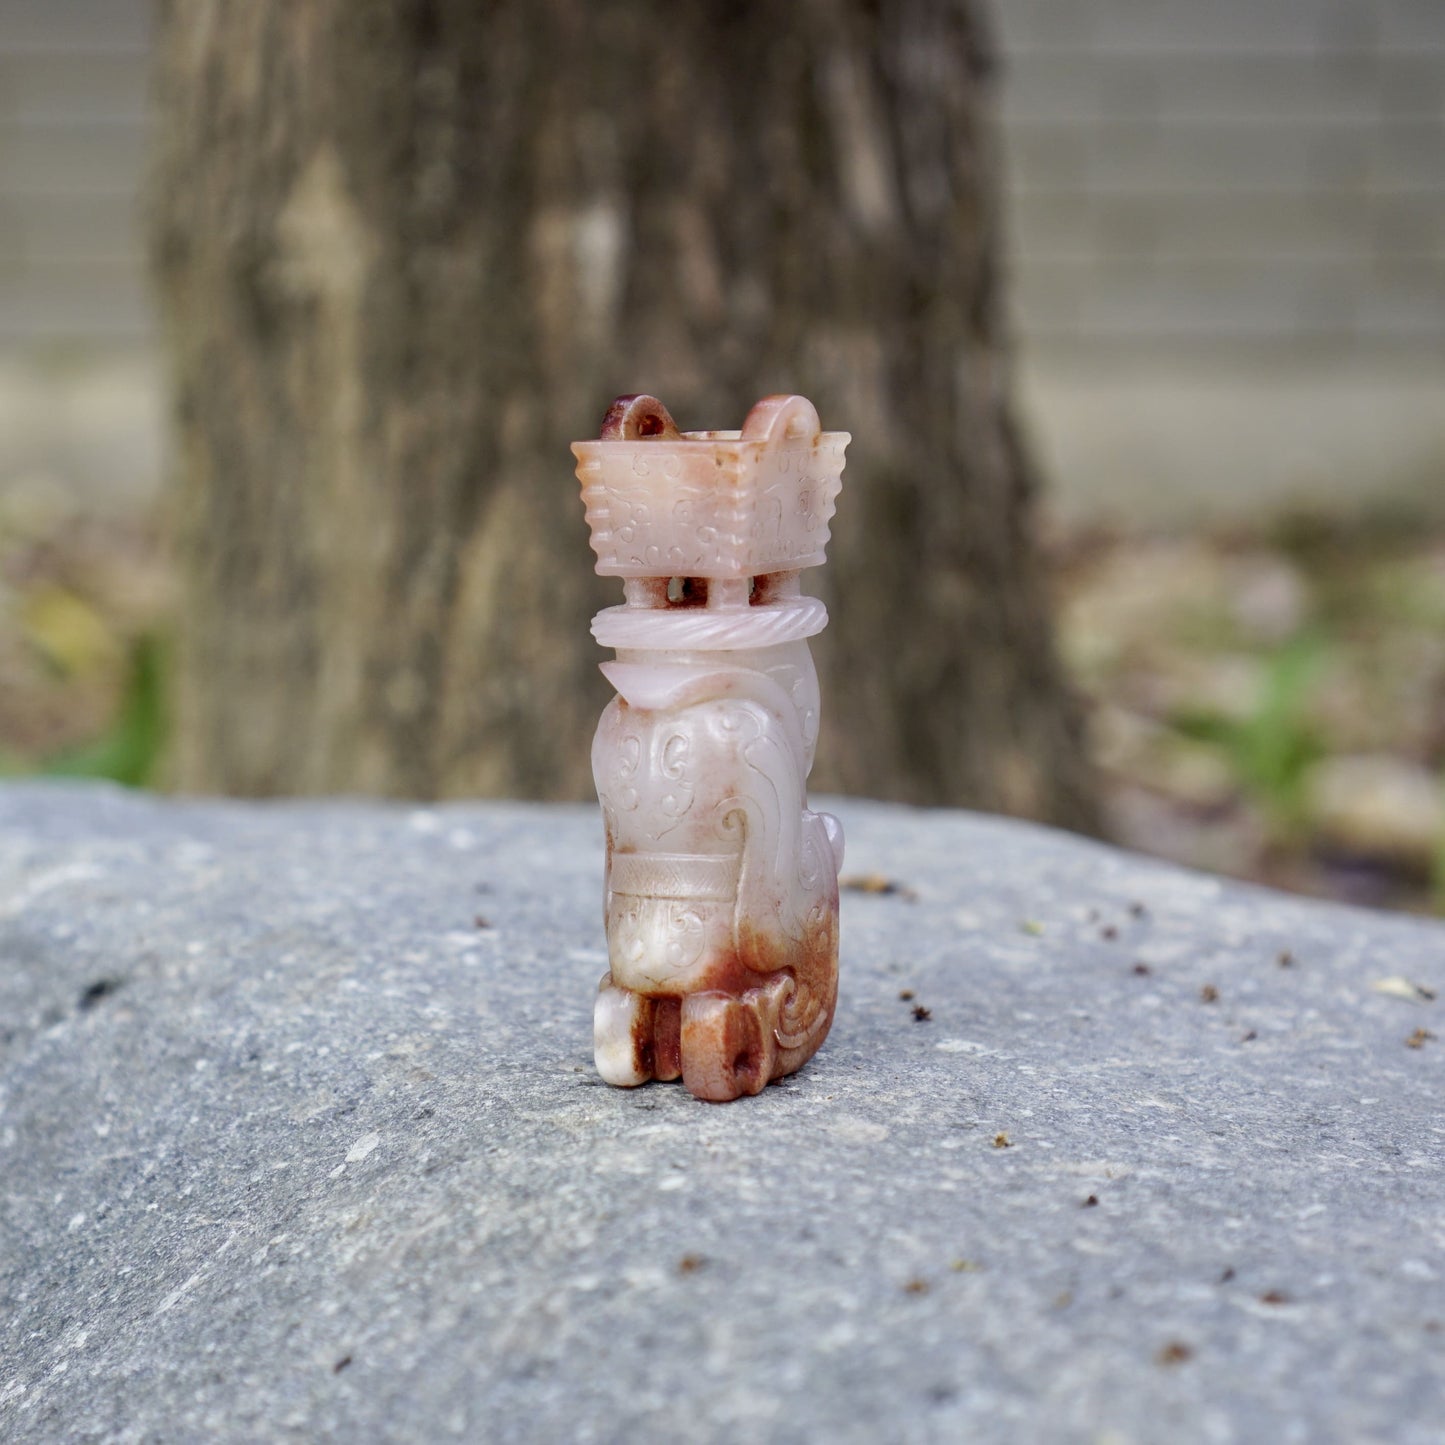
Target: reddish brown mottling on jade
{"type": "Point", "coordinates": [721, 885]}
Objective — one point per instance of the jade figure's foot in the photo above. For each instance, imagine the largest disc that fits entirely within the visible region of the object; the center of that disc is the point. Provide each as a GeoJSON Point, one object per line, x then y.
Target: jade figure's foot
{"type": "Point", "coordinates": [622, 1025]}
{"type": "Point", "coordinates": [728, 1048]}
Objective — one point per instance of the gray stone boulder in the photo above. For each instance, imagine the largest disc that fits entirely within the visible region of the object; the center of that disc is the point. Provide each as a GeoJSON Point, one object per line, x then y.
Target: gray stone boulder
{"type": "Point", "coordinates": [300, 1139]}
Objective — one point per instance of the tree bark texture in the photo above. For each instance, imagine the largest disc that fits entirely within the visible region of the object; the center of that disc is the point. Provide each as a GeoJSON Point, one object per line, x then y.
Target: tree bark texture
{"type": "Point", "coordinates": [408, 249]}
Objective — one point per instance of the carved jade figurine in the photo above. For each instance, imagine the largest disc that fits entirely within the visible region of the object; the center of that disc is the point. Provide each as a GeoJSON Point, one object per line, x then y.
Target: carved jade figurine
{"type": "Point", "coordinates": [721, 885]}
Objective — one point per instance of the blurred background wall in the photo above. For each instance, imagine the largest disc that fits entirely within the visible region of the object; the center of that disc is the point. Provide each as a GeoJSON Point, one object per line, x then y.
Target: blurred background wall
{"type": "Point", "coordinates": [1228, 224]}
{"type": "Point", "coordinates": [1230, 268]}
{"type": "Point", "coordinates": [79, 392]}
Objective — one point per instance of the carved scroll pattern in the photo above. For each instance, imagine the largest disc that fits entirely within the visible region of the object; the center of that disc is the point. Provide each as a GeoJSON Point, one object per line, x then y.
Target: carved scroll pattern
{"type": "Point", "coordinates": [645, 768]}
{"type": "Point", "coordinates": [662, 935]}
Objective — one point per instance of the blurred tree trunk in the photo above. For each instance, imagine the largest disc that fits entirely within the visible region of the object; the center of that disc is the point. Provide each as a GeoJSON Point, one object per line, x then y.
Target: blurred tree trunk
{"type": "Point", "coordinates": [408, 249]}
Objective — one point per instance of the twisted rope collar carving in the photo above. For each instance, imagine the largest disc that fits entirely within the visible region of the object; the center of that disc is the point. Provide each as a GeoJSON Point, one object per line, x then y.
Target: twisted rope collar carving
{"type": "Point", "coordinates": [702, 629]}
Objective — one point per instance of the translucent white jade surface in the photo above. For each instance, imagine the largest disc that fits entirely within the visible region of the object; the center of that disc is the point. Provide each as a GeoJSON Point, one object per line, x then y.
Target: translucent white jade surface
{"type": "Point", "coordinates": [722, 885]}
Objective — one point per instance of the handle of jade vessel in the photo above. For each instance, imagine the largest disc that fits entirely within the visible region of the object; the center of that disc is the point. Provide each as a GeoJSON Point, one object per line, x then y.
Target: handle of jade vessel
{"type": "Point", "coordinates": [638, 418]}
{"type": "Point", "coordinates": [782, 418]}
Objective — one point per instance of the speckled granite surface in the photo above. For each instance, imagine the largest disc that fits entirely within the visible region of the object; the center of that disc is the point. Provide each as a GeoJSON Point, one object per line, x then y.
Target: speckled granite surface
{"type": "Point", "coordinates": [300, 1139]}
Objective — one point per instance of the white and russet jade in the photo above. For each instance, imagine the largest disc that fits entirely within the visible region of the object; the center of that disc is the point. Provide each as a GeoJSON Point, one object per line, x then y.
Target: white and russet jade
{"type": "Point", "coordinates": [722, 884]}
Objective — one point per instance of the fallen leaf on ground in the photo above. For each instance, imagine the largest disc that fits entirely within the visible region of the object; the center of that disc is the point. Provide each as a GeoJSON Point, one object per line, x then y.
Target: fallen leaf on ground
{"type": "Point", "coordinates": [876, 883]}
{"type": "Point", "coordinates": [1398, 987]}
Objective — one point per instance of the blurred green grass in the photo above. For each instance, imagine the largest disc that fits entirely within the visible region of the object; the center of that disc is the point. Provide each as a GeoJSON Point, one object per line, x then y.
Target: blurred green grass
{"type": "Point", "coordinates": [130, 751]}
{"type": "Point", "coordinates": [1271, 749]}
{"type": "Point", "coordinates": [1270, 704]}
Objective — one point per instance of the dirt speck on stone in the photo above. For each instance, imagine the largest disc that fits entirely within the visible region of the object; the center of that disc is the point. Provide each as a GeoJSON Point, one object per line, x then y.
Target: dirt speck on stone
{"type": "Point", "coordinates": [93, 993]}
